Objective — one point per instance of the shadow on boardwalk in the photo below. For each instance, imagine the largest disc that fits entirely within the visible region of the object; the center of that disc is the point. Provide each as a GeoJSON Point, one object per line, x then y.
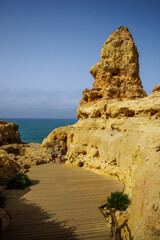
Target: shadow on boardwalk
{"type": "Point", "coordinates": [62, 203]}
{"type": "Point", "coordinates": [37, 223]}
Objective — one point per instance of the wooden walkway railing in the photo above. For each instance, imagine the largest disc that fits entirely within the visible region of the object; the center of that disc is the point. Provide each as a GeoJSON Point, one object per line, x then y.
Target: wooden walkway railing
{"type": "Point", "coordinates": [62, 203]}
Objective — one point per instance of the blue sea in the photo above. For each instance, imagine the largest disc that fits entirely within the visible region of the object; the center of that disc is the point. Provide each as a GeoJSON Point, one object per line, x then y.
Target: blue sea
{"type": "Point", "coordinates": [35, 130]}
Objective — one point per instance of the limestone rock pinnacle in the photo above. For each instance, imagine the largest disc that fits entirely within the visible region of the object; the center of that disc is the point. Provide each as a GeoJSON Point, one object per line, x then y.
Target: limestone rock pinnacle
{"type": "Point", "coordinates": [116, 75]}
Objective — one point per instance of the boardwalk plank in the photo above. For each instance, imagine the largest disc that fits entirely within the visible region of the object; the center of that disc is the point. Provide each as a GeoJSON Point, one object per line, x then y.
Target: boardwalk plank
{"type": "Point", "coordinates": [62, 203]}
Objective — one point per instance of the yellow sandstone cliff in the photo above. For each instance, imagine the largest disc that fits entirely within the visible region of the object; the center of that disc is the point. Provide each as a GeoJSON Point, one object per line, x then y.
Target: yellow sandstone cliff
{"type": "Point", "coordinates": [118, 133]}
{"type": "Point", "coordinates": [16, 156]}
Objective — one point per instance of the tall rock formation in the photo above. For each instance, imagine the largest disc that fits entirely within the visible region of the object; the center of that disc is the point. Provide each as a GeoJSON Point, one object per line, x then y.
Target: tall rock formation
{"type": "Point", "coordinates": [118, 133]}
{"type": "Point", "coordinates": [116, 75]}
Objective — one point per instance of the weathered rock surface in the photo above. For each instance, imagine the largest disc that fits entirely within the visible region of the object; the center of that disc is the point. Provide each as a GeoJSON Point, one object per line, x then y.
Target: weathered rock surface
{"type": "Point", "coordinates": [156, 88]}
{"type": "Point", "coordinates": [16, 156]}
{"type": "Point", "coordinates": [116, 75]}
{"type": "Point", "coordinates": [57, 139]}
{"type": "Point", "coordinates": [118, 133]}
{"type": "Point", "coordinates": [9, 133]}
{"type": "Point", "coordinates": [8, 167]}
{"type": "Point", "coordinates": [20, 157]}
{"type": "Point", "coordinates": [142, 107]}
{"type": "Point", "coordinates": [3, 122]}
{"type": "Point", "coordinates": [125, 147]}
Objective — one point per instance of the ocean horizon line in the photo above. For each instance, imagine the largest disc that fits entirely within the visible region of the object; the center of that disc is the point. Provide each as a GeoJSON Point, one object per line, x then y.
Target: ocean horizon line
{"type": "Point", "coordinates": [34, 130]}
{"type": "Point", "coordinates": [30, 118]}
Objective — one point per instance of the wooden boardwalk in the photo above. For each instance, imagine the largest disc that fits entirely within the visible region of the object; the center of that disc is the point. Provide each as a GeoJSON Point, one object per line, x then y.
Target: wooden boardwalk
{"type": "Point", "coordinates": [62, 203]}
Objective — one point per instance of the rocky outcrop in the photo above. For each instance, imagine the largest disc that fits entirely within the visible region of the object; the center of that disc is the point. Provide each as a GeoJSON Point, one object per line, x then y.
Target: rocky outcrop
{"type": "Point", "coordinates": [116, 75]}
{"type": "Point", "coordinates": [104, 109]}
{"type": "Point", "coordinates": [57, 139]}
{"type": "Point", "coordinates": [118, 131]}
{"type": "Point", "coordinates": [8, 167]}
{"type": "Point", "coordinates": [16, 156]}
{"type": "Point", "coordinates": [3, 122]}
{"type": "Point", "coordinates": [156, 88]}
{"type": "Point", "coordinates": [20, 157]}
{"type": "Point", "coordinates": [9, 133]}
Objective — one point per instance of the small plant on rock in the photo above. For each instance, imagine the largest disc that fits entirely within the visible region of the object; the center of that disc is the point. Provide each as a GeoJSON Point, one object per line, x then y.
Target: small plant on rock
{"type": "Point", "coordinates": [19, 181]}
{"type": "Point", "coordinates": [118, 200]}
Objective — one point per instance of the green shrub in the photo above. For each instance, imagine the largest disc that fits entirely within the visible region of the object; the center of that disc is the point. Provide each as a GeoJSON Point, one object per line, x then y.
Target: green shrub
{"type": "Point", "coordinates": [2, 200]}
{"type": "Point", "coordinates": [19, 181]}
{"type": "Point", "coordinates": [118, 201]}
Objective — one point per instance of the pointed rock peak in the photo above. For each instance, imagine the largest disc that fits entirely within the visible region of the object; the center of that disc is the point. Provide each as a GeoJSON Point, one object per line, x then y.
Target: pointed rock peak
{"type": "Point", "coordinates": [116, 75]}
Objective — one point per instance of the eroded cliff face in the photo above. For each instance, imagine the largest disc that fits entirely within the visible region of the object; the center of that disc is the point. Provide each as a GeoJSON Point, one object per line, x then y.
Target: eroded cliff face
{"type": "Point", "coordinates": [118, 133]}
{"type": "Point", "coordinates": [16, 156]}
{"type": "Point", "coordinates": [126, 148]}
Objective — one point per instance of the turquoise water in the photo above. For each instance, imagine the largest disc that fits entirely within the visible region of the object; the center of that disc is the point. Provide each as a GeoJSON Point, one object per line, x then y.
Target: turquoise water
{"type": "Point", "coordinates": [35, 130]}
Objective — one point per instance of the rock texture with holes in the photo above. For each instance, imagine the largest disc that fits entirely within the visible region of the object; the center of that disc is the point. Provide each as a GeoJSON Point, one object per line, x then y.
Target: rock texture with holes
{"type": "Point", "coordinates": [16, 156]}
{"type": "Point", "coordinates": [9, 133]}
{"type": "Point", "coordinates": [57, 139]}
{"type": "Point", "coordinates": [116, 75]}
{"type": "Point", "coordinates": [118, 133]}
{"type": "Point", "coordinates": [20, 157]}
{"type": "Point", "coordinates": [156, 88]}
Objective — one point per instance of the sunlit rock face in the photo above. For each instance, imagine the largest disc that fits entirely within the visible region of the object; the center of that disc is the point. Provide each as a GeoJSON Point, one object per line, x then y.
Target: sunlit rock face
{"type": "Point", "coordinates": [16, 156]}
{"type": "Point", "coordinates": [9, 133]}
{"type": "Point", "coordinates": [118, 133]}
{"type": "Point", "coordinates": [156, 88]}
{"type": "Point", "coordinates": [116, 75]}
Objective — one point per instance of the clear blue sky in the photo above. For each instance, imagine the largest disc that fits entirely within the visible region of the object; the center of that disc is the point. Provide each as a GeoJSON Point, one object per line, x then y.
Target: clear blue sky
{"type": "Point", "coordinates": [47, 48]}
